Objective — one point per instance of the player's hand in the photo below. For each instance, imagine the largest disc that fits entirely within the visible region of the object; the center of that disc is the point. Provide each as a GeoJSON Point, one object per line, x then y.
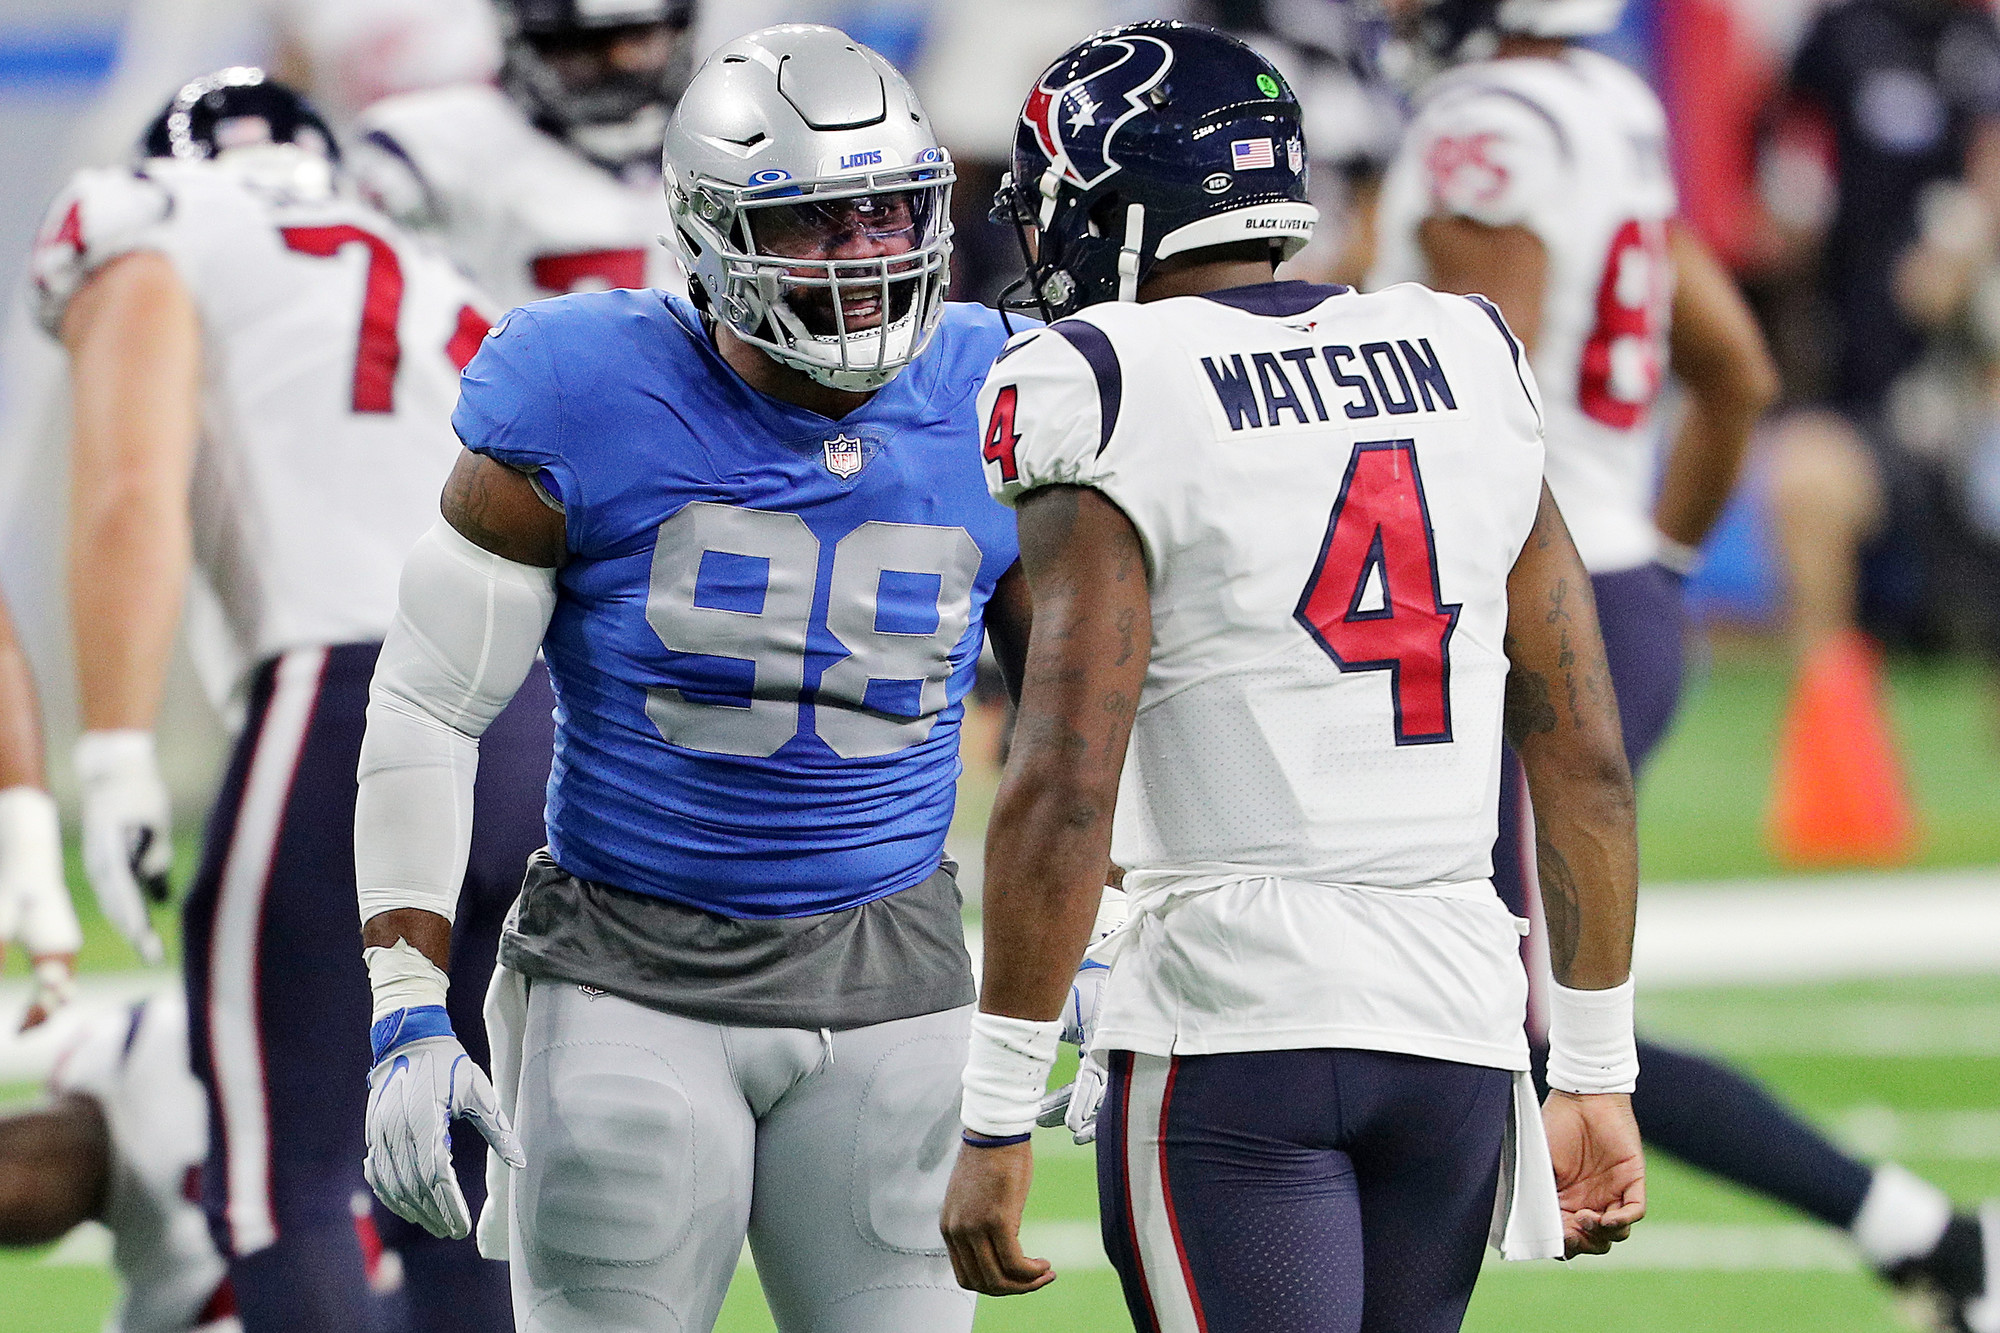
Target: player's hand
{"type": "Point", "coordinates": [422, 1081]}
{"type": "Point", "coordinates": [127, 834]}
{"type": "Point", "coordinates": [35, 909]}
{"type": "Point", "coordinates": [981, 1221]}
{"type": "Point", "coordinates": [1600, 1170]}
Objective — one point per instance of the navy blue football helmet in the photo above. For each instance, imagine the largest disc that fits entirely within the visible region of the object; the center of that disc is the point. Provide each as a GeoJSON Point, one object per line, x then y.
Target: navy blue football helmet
{"type": "Point", "coordinates": [1144, 142]}
{"type": "Point", "coordinates": [238, 107]}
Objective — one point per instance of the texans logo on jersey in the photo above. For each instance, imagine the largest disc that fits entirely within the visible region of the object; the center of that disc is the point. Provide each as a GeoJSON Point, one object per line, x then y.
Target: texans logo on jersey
{"type": "Point", "coordinates": [1067, 119]}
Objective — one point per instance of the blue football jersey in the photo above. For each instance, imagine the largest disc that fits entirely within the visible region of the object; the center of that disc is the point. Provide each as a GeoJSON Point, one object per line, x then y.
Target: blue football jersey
{"type": "Point", "coordinates": [768, 620]}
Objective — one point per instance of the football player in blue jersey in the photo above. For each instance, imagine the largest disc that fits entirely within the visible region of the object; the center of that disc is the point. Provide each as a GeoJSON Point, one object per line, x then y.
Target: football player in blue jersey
{"type": "Point", "coordinates": [751, 537]}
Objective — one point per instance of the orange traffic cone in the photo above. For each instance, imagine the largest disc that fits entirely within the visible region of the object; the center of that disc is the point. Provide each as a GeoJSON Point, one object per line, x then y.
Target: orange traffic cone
{"type": "Point", "coordinates": [1838, 795]}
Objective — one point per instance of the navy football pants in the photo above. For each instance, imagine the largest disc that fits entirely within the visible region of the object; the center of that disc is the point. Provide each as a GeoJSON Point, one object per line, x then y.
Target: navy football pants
{"type": "Point", "coordinates": [1313, 1191]}
{"type": "Point", "coordinates": [1690, 1106]}
{"type": "Point", "coordinates": [279, 1004]}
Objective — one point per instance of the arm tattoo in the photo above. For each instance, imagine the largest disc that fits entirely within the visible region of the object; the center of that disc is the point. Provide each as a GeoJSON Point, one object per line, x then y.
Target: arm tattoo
{"type": "Point", "coordinates": [1125, 649]}
{"type": "Point", "coordinates": [1527, 710]}
{"type": "Point", "coordinates": [1560, 907]}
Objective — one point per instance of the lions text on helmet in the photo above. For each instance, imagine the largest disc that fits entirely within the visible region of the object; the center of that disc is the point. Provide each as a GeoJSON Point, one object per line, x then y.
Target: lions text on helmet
{"type": "Point", "coordinates": [812, 204]}
{"type": "Point", "coordinates": [1129, 153]}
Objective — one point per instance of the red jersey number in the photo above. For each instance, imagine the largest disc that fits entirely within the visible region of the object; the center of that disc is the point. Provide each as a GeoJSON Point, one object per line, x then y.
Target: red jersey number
{"type": "Point", "coordinates": [1625, 357]}
{"type": "Point", "coordinates": [1372, 602]}
{"type": "Point", "coordinates": [1001, 437]}
{"type": "Point", "coordinates": [589, 270]}
{"type": "Point", "coordinates": [377, 350]}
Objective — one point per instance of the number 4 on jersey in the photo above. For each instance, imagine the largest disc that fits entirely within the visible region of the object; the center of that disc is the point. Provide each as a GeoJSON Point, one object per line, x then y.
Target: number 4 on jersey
{"type": "Point", "coordinates": [1001, 437]}
{"type": "Point", "coordinates": [1372, 602]}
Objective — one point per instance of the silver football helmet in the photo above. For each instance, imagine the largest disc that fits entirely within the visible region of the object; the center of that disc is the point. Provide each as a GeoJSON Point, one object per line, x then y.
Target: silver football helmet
{"type": "Point", "coordinates": [811, 202]}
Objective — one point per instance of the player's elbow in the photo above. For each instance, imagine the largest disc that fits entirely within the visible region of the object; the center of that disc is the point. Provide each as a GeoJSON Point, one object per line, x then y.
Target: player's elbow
{"type": "Point", "coordinates": [1738, 383]}
{"type": "Point", "coordinates": [54, 1166]}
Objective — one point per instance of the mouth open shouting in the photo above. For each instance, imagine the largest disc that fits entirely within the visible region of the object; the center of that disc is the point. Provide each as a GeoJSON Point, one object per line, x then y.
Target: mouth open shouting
{"type": "Point", "coordinates": [854, 281]}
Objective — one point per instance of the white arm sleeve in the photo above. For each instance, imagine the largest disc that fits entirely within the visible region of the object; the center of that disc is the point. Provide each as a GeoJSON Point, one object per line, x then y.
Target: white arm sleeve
{"type": "Point", "coordinates": [468, 625]}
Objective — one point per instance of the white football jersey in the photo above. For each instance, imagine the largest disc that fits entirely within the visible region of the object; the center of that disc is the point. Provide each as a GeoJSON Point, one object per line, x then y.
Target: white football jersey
{"type": "Point", "coordinates": [524, 214]}
{"type": "Point", "coordinates": [1574, 149]}
{"type": "Point", "coordinates": [331, 346]}
{"type": "Point", "coordinates": [1331, 490]}
{"type": "Point", "coordinates": [134, 1064]}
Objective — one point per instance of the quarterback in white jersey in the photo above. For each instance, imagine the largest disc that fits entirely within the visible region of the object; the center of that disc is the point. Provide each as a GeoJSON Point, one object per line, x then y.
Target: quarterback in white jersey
{"type": "Point", "coordinates": [121, 1142]}
{"type": "Point", "coordinates": [549, 183]}
{"type": "Point", "coordinates": [263, 371]}
{"type": "Point", "coordinates": [1292, 562]}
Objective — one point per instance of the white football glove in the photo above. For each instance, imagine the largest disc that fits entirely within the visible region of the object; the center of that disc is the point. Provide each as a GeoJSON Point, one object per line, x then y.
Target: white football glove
{"type": "Point", "coordinates": [1075, 1104]}
{"type": "Point", "coordinates": [422, 1081]}
{"type": "Point", "coordinates": [127, 834]}
{"type": "Point", "coordinates": [34, 902]}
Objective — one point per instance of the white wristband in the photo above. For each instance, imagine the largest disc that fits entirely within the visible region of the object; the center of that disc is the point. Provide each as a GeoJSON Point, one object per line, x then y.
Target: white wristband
{"type": "Point", "coordinates": [1591, 1047]}
{"type": "Point", "coordinates": [30, 833]}
{"type": "Point", "coordinates": [1679, 557]}
{"type": "Point", "coordinates": [1006, 1072]}
{"type": "Point", "coordinates": [402, 978]}
{"type": "Point", "coordinates": [106, 756]}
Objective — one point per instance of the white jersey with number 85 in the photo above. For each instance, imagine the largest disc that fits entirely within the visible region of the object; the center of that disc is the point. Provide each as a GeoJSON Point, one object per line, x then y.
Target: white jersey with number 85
{"type": "Point", "coordinates": [1572, 148]}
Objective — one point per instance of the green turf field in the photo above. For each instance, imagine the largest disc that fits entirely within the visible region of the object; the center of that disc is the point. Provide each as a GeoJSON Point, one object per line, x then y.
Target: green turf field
{"type": "Point", "coordinates": [1906, 1068]}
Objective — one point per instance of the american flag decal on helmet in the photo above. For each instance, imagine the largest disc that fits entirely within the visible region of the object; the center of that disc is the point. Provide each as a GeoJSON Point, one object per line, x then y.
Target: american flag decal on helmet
{"type": "Point", "coordinates": [1252, 155]}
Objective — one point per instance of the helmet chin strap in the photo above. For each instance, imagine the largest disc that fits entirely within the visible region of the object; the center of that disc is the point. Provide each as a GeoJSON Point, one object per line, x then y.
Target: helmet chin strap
{"type": "Point", "coordinates": [1128, 254]}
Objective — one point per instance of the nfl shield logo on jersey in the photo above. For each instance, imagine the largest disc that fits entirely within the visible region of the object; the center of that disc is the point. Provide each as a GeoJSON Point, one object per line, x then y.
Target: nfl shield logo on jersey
{"type": "Point", "coordinates": [843, 456]}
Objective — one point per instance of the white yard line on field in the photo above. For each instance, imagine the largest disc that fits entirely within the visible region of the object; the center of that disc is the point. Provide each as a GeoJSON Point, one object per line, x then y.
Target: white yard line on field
{"type": "Point", "coordinates": [1833, 928]}
{"type": "Point", "coordinates": [1829, 928]}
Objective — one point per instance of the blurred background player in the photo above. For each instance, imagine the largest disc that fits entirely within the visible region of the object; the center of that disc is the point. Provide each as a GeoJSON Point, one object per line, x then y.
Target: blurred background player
{"type": "Point", "coordinates": [751, 536]}
{"type": "Point", "coordinates": [1875, 486]}
{"type": "Point", "coordinates": [1538, 178]}
{"type": "Point", "coordinates": [35, 910]}
{"type": "Point", "coordinates": [121, 1141]}
{"type": "Point", "coordinates": [550, 182]}
{"type": "Point", "coordinates": [262, 374]}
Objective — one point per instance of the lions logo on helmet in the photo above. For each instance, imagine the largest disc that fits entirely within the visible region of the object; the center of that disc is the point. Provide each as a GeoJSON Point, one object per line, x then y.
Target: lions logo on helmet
{"type": "Point", "coordinates": [1144, 142]}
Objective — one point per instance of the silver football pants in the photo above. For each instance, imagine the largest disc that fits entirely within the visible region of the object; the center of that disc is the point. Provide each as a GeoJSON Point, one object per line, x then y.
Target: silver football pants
{"type": "Point", "coordinates": [656, 1143]}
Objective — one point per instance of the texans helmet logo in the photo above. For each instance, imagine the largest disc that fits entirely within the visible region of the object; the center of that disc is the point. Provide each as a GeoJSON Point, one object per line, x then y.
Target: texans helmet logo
{"type": "Point", "coordinates": [1065, 118]}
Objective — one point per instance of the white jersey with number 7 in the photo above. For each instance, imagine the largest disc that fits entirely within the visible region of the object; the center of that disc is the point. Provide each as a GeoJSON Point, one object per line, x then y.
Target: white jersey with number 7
{"type": "Point", "coordinates": [1574, 149]}
{"type": "Point", "coordinates": [1331, 490]}
{"type": "Point", "coordinates": [331, 346]}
